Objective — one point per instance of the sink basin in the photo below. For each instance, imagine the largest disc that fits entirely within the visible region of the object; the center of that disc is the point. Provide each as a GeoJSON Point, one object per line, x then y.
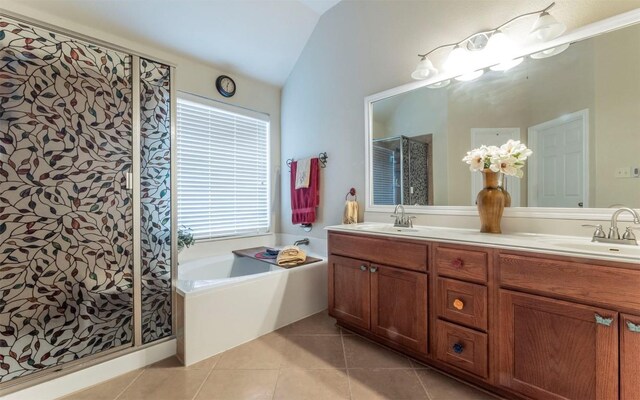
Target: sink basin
{"type": "Point", "coordinates": [585, 245]}
{"type": "Point", "coordinates": [385, 228]}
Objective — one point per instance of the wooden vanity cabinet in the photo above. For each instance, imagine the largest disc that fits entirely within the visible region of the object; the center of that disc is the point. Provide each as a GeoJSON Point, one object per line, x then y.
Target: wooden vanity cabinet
{"type": "Point", "coordinates": [553, 349]}
{"type": "Point", "coordinates": [629, 357]}
{"type": "Point", "coordinates": [526, 325]}
{"type": "Point", "coordinates": [350, 291]}
{"type": "Point", "coordinates": [572, 323]}
{"type": "Point", "coordinates": [389, 301]}
{"type": "Point", "coordinates": [399, 306]}
{"type": "Point", "coordinates": [461, 311]}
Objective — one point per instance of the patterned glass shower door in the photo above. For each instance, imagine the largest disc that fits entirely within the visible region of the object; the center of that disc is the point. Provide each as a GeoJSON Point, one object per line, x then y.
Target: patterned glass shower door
{"type": "Point", "coordinates": [66, 276]}
{"type": "Point", "coordinates": [155, 199]}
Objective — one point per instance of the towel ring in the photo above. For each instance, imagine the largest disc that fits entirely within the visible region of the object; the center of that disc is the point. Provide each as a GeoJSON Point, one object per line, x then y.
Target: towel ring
{"type": "Point", "coordinates": [352, 192]}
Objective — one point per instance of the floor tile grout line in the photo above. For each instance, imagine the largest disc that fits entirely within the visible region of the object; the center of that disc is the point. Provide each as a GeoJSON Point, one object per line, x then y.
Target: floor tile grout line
{"type": "Point", "coordinates": [275, 387]}
{"type": "Point", "coordinates": [205, 379]}
{"type": "Point", "coordinates": [346, 367]}
{"type": "Point", "coordinates": [130, 383]}
{"type": "Point", "coordinates": [424, 387]}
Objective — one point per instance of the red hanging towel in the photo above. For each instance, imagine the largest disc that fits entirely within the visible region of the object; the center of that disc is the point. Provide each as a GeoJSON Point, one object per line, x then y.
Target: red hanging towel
{"type": "Point", "coordinates": [305, 200]}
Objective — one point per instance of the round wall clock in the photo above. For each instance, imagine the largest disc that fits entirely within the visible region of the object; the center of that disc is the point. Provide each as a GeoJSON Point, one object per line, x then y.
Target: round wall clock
{"type": "Point", "coordinates": [226, 86]}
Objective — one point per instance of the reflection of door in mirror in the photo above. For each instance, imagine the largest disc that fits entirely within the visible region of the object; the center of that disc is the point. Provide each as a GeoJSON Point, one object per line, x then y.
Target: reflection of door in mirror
{"type": "Point", "coordinates": [402, 170]}
{"type": "Point", "coordinates": [558, 170]}
{"type": "Point", "coordinates": [495, 137]}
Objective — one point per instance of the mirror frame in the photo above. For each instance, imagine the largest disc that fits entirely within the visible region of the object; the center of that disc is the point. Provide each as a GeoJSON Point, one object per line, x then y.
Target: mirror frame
{"type": "Point", "coordinates": [588, 31]}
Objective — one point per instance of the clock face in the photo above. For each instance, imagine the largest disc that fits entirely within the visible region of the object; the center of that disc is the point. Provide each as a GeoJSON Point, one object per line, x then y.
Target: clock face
{"type": "Point", "coordinates": [226, 86]}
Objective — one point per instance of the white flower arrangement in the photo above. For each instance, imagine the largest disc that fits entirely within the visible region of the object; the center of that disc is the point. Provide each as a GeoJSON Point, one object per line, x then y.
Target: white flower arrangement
{"type": "Point", "coordinates": [508, 158]}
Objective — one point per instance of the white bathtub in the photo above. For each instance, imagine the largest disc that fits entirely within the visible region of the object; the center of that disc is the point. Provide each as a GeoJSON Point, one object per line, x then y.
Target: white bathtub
{"type": "Point", "coordinates": [224, 301]}
{"type": "Point", "coordinates": [203, 274]}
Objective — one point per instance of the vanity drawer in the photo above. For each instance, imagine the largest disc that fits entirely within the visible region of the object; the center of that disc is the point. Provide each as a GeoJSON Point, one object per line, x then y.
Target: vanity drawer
{"type": "Point", "coordinates": [463, 264]}
{"type": "Point", "coordinates": [462, 347]}
{"type": "Point", "coordinates": [462, 302]}
{"type": "Point", "coordinates": [384, 251]}
{"type": "Point", "coordinates": [592, 284]}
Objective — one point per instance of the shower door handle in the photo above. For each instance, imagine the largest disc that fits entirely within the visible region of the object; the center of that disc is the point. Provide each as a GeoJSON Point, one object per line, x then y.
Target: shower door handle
{"type": "Point", "coordinates": [129, 181]}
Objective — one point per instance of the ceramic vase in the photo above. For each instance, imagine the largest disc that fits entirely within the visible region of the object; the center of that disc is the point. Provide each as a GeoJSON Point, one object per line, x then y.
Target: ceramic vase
{"type": "Point", "coordinates": [491, 201]}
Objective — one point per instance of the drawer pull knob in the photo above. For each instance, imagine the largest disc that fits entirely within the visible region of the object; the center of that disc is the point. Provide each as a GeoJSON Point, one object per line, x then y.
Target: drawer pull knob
{"type": "Point", "coordinates": [363, 268]}
{"type": "Point", "coordinates": [374, 269]}
{"type": "Point", "coordinates": [458, 348]}
{"type": "Point", "coordinates": [633, 327]}
{"type": "Point", "coordinates": [458, 304]}
{"type": "Point", "coordinates": [457, 263]}
{"type": "Point", "coordinates": [603, 321]}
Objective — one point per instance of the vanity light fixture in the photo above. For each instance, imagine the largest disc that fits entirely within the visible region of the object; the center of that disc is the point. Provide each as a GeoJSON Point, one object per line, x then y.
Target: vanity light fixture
{"type": "Point", "coordinates": [424, 69]}
{"type": "Point", "coordinates": [546, 27]}
{"type": "Point", "coordinates": [493, 44]}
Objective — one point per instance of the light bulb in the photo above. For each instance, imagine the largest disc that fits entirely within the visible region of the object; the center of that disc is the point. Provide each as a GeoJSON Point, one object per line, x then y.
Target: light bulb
{"type": "Point", "coordinates": [500, 46]}
{"type": "Point", "coordinates": [457, 61]}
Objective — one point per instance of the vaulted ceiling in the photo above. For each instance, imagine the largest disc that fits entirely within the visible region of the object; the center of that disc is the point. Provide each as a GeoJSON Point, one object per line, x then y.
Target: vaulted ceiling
{"type": "Point", "coordinates": [261, 39]}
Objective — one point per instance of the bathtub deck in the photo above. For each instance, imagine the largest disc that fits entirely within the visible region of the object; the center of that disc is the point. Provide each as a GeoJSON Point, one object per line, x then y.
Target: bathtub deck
{"type": "Point", "coordinates": [310, 359]}
{"type": "Point", "coordinates": [251, 253]}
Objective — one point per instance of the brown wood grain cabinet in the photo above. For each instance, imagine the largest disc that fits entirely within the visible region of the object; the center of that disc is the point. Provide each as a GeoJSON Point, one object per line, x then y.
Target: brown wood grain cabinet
{"type": "Point", "coordinates": [388, 301]}
{"type": "Point", "coordinates": [523, 324]}
{"type": "Point", "coordinates": [350, 291]}
{"type": "Point", "coordinates": [629, 357]}
{"type": "Point", "coordinates": [399, 306]}
{"type": "Point", "coordinates": [553, 349]}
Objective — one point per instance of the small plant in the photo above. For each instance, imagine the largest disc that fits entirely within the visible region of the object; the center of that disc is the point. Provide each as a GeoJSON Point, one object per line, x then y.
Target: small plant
{"type": "Point", "coordinates": [185, 237]}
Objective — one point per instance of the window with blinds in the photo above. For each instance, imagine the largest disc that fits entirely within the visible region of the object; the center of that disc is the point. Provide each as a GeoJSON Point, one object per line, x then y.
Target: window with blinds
{"type": "Point", "coordinates": [223, 169]}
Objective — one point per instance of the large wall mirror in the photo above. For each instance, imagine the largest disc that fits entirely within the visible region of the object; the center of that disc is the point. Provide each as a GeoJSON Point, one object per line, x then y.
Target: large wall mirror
{"type": "Point", "coordinates": [579, 111]}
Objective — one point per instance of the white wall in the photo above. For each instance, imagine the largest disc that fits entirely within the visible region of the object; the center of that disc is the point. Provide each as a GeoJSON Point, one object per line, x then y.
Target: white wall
{"type": "Point", "coordinates": [191, 76]}
{"type": "Point", "coordinates": [363, 47]}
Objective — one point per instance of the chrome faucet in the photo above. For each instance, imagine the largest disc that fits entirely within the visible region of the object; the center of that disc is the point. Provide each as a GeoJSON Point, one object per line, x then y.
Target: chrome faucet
{"type": "Point", "coordinates": [613, 231]}
{"type": "Point", "coordinates": [301, 241]}
{"type": "Point", "coordinates": [614, 235]}
{"type": "Point", "coordinates": [402, 221]}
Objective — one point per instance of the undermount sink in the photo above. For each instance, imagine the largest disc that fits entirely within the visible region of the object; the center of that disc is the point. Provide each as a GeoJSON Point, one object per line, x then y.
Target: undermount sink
{"type": "Point", "coordinates": [585, 245]}
{"type": "Point", "coordinates": [385, 228]}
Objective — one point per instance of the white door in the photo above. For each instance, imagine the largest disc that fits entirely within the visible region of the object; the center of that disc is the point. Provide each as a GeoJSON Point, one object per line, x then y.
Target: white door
{"type": "Point", "coordinates": [495, 137]}
{"type": "Point", "coordinates": [558, 168]}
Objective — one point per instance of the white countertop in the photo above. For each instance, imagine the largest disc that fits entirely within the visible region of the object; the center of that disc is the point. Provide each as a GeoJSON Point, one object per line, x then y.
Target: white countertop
{"type": "Point", "coordinates": [573, 246]}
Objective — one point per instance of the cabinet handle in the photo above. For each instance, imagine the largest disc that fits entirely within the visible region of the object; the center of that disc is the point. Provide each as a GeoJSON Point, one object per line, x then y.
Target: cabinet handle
{"type": "Point", "coordinates": [458, 304]}
{"type": "Point", "coordinates": [458, 348]}
{"type": "Point", "coordinates": [363, 268]}
{"type": "Point", "coordinates": [373, 269]}
{"type": "Point", "coordinates": [603, 321]}
{"type": "Point", "coordinates": [633, 327]}
{"type": "Point", "coordinates": [457, 263]}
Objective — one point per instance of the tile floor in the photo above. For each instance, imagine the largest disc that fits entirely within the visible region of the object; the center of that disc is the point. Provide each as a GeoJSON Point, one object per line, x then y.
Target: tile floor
{"type": "Point", "coordinates": [309, 359]}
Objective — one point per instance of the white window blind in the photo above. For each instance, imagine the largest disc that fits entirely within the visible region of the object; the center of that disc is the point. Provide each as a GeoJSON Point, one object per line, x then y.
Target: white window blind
{"type": "Point", "coordinates": [223, 170]}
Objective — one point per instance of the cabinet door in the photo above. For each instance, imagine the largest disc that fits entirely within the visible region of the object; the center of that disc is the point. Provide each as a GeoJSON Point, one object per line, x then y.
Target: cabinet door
{"type": "Point", "coordinates": [399, 306]}
{"type": "Point", "coordinates": [552, 349]}
{"type": "Point", "coordinates": [630, 357]}
{"type": "Point", "coordinates": [349, 291]}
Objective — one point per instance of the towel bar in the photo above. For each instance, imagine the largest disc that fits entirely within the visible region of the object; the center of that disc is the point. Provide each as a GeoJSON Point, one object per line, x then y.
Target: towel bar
{"type": "Point", "coordinates": [322, 158]}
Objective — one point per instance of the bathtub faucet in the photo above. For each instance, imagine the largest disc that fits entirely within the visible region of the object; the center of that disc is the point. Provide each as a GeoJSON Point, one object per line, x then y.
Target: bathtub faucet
{"type": "Point", "coordinates": [301, 241]}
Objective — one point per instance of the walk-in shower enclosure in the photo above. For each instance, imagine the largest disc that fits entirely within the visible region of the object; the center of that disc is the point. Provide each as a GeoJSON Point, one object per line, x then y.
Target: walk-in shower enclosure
{"type": "Point", "coordinates": [86, 221]}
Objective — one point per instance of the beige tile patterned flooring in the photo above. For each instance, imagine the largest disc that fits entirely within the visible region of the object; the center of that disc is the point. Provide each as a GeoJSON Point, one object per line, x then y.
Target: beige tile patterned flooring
{"type": "Point", "coordinates": [309, 359]}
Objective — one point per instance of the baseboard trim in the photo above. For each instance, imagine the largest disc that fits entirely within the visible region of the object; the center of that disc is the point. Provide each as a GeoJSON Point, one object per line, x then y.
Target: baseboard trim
{"type": "Point", "coordinates": [95, 374]}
